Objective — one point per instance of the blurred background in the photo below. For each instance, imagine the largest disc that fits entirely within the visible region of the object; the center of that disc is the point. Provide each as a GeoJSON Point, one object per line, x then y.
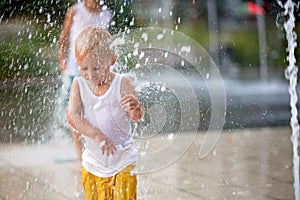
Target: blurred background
{"type": "Point", "coordinates": [245, 39]}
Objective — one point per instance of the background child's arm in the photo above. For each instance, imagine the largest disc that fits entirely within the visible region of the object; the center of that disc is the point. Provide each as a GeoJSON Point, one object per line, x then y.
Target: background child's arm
{"type": "Point", "coordinates": [64, 38]}
{"type": "Point", "coordinates": [129, 101]}
{"type": "Point", "coordinates": [78, 122]}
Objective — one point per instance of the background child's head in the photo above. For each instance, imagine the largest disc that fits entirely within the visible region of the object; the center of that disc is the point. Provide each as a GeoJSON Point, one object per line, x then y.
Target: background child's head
{"type": "Point", "coordinates": [94, 43]}
{"type": "Point", "coordinates": [96, 3]}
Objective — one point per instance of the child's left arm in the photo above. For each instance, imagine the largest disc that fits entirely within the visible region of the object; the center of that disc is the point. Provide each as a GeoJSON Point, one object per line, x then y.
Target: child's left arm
{"type": "Point", "coordinates": [129, 101]}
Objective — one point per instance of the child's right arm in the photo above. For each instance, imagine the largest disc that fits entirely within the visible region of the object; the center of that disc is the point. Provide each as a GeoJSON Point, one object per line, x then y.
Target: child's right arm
{"type": "Point", "coordinates": [78, 122]}
{"type": "Point", "coordinates": [64, 38]}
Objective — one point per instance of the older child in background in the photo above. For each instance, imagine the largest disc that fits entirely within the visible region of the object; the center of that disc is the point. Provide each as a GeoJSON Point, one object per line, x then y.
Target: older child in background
{"type": "Point", "coordinates": [101, 106]}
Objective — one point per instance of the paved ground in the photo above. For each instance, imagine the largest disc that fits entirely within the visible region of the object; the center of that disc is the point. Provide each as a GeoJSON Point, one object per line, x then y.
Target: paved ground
{"type": "Point", "coordinates": [245, 164]}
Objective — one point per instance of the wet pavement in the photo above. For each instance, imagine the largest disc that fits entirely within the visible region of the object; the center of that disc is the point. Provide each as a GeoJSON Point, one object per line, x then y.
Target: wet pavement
{"type": "Point", "coordinates": [245, 164]}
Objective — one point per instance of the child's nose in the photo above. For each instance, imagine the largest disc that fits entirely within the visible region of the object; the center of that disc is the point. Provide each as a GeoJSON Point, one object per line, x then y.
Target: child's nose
{"type": "Point", "coordinates": [90, 74]}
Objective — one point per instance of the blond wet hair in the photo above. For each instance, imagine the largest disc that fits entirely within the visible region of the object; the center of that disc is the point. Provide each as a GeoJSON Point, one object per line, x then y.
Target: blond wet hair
{"type": "Point", "coordinates": [95, 42]}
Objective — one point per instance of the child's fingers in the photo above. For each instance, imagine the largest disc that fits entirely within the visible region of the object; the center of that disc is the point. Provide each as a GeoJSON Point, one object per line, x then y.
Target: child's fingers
{"type": "Point", "coordinates": [110, 148]}
{"type": "Point", "coordinates": [128, 98]}
{"type": "Point", "coordinates": [107, 152]}
{"type": "Point", "coordinates": [107, 149]}
{"type": "Point", "coordinates": [125, 103]}
{"type": "Point", "coordinates": [125, 100]}
{"type": "Point", "coordinates": [103, 149]}
{"type": "Point", "coordinates": [129, 102]}
{"type": "Point", "coordinates": [112, 151]}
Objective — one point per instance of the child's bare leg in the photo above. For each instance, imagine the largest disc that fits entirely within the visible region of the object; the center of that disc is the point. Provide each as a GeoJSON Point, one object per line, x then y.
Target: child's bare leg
{"type": "Point", "coordinates": [78, 145]}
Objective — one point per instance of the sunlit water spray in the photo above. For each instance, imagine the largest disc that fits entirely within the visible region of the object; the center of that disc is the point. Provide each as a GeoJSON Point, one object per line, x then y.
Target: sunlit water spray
{"type": "Point", "coordinates": [60, 124]}
{"type": "Point", "coordinates": [173, 74]}
{"type": "Point", "coordinates": [291, 75]}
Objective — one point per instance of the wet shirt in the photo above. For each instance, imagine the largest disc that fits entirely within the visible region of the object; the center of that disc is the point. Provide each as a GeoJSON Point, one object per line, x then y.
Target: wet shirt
{"type": "Point", "coordinates": [105, 113]}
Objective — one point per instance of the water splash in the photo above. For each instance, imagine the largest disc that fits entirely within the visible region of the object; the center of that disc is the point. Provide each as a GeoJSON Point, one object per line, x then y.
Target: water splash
{"type": "Point", "coordinates": [170, 67]}
{"type": "Point", "coordinates": [291, 75]}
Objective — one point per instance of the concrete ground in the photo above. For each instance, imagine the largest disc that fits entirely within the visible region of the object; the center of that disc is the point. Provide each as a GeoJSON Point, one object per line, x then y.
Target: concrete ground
{"type": "Point", "coordinates": [244, 164]}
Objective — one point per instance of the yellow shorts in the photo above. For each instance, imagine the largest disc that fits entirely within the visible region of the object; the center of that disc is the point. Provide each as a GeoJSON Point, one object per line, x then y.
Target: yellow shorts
{"type": "Point", "coordinates": [122, 186]}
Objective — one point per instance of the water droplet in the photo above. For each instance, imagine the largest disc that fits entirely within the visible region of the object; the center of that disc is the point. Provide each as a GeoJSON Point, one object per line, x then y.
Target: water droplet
{"type": "Point", "coordinates": [178, 20]}
{"type": "Point", "coordinates": [145, 36]}
{"type": "Point", "coordinates": [207, 76]}
{"type": "Point", "coordinates": [160, 36]}
{"type": "Point", "coordinates": [170, 136]}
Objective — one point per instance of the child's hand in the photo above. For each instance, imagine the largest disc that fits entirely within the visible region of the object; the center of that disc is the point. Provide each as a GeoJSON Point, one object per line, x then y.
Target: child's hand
{"type": "Point", "coordinates": [129, 102]}
{"type": "Point", "coordinates": [108, 147]}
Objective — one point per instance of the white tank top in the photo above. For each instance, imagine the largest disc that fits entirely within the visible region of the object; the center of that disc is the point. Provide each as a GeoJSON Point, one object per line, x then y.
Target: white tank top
{"type": "Point", "coordinates": [105, 113]}
{"type": "Point", "coordinates": [82, 20]}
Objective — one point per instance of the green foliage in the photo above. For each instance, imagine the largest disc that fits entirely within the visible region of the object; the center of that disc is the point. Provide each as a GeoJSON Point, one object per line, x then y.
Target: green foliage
{"type": "Point", "coordinates": [245, 46]}
{"type": "Point", "coordinates": [27, 48]}
{"type": "Point", "coordinates": [122, 15]}
{"type": "Point", "coordinates": [243, 42]}
{"type": "Point", "coordinates": [29, 35]}
{"type": "Point", "coordinates": [198, 33]}
{"type": "Point", "coordinates": [55, 8]}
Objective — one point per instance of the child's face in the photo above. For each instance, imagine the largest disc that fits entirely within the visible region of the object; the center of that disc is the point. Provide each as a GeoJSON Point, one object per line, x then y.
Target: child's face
{"type": "Point", "coordinates": [94, 69]}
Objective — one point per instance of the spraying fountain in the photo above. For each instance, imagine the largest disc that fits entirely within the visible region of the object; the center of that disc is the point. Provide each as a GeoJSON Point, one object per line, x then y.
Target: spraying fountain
{"type": "Point", "coordinates": [291, 74]}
